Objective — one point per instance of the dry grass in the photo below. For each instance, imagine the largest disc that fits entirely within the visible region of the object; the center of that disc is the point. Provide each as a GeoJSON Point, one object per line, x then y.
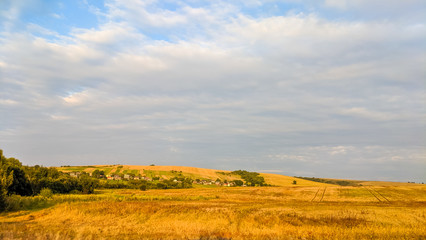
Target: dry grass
{"type": "Point", "coordinates": [228, 213]}
{"type": "Point", "coordinates": [281, 180]}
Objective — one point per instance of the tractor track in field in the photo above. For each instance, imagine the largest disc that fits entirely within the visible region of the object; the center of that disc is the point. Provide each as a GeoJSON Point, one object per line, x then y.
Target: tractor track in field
{"type": "Point", "coordinates": [316, 194]}
{"type": "Point", "coordinates": [384, 199]}
{"type": "Point", "coordinates": [387, 200]}
{"type": "Point", "coordinates": [322, 196]}
{"type": "Point", "coordinates": [377, 195]}
{"type": "Point", "coordinates": [319, 195]}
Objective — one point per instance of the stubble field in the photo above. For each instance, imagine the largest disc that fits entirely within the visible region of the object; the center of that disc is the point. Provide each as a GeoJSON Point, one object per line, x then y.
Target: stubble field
{"type": "Point", "coordinates": [292, 212]}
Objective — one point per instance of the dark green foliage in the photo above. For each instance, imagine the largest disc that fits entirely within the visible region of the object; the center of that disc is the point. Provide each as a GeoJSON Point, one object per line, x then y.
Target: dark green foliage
{"type": "Point", "coordinates": [16, 179]}
{"type": "Point", "coordinates": [46, 193]}
{"type": "Point", "coordinates": [174, 183]}
{"type": "Point", "coordinates": [251, 178]}
{"type": "Point", "coordinates": [58, 182]}
{"type": "Point", "coordinates": [238, 183]}
{"type": "Point", "coordinates": [16, 203]}
{"type": "Point", "coordinates": [161, 185]}
{"type": "Point", "coordinates": [331, 181]}
{"type": "Point", "coordinates": [4, 182]}
{"type": "Point", "coordinates": [2, 202]}
{"type": "Point", "coordinates": [111, 184]}
{"type": "Point", "coordinates": [20, 183]}
{"type": "Point", "coordinates": [224, 173]}
{"type": "Point", "coordinates": [98, 174]}
{"type": "Point", "coordinates": [88, 184]}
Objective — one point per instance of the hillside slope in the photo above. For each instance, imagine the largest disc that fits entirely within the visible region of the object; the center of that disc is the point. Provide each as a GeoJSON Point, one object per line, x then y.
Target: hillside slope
{"type": "Point", "coordinates": [281, 180]}
{"type": "Point", "coordinates": [168, 172]}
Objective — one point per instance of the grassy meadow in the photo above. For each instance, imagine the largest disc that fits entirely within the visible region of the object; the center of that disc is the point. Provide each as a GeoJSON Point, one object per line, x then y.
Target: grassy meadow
{"type": "Point", "coordinates": [285, 212]}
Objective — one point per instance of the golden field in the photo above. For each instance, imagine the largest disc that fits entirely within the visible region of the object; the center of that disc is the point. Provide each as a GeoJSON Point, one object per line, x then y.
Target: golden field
{"type": "Point", "coordinates": [288, 212]}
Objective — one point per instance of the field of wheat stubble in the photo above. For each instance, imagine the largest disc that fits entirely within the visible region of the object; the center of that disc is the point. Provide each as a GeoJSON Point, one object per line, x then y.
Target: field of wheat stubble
{"type": "Point", "coordinates": [293, 212]}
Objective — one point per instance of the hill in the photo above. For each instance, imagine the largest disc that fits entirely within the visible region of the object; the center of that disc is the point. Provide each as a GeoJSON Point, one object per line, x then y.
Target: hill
{"type": "Point", "coordinates": [168, 172]}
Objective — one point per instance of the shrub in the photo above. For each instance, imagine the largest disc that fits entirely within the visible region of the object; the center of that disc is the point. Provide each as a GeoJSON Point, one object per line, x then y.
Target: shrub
{"type": "Point", "coordinates": [14, 203]}
{"type": "Point", "coordinates": [161, 185]}
{"type": "Point", "coordinates": [238, 183]}
{"type": "Point", "coordinates": [46, 193]}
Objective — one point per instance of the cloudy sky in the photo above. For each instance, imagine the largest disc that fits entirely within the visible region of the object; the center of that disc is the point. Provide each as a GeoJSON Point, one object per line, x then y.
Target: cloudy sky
{"type": "Point", "coordinates": [330, 88]}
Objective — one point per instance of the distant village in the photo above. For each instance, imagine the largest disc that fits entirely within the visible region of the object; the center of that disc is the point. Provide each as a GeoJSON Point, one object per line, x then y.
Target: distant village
{"type": "Point", "coordinates": [127, 177]}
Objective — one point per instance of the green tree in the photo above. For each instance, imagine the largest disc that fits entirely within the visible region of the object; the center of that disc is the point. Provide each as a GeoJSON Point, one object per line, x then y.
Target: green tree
{"type": "Point", "coordinates": [20, 183]}
{"type": "Point", "coordinates": [251, 178]}
{"type": "Point", "coordinates": [13, 171]}
{"type": "Point", "coordinates": [5, 182]}
{"type": "Point", "coordinates": [88, 184]}
{"type": "Point", "coordinates": [96, 173]}
{"type": "Point", "coordinates": [238, 182]}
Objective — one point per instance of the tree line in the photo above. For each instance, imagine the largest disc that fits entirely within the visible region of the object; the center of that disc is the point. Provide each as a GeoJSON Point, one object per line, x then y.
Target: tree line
{"type": "Point", "coordinates": [173, 183]}
{"type": "Point", "coordinates": [251, 178]}
{"type": "Point", "coordinates": [331, 181]}
{"type": "Point", "coordinates": [17, 179]}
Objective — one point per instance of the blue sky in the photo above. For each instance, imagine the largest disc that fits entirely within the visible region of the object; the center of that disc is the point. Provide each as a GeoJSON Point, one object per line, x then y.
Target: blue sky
{"type": "Point", "coordinates": [313, 88]}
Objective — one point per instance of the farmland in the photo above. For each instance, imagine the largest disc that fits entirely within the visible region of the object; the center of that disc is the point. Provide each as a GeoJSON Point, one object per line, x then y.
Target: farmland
{"type": "Point", "coordinates": [318, 211]}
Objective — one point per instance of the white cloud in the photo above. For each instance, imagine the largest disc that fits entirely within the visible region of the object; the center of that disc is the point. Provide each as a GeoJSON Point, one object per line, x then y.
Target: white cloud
{"type": "Point", "coordinates": [77, 98]}
{"type": "Point", "coordinates": [340, 4]}
{"type": "Point", "coordinates": [365, 113]}
{"type": "Point", "coordinates": [340, 150]}
{"type": "Point", "coordinates": [218, 83]}
{"type": "Point", "coordinates": [8, 102]}
{"type": "Point", "coordinates": [110, 33]}
{"type": "Point", "coordinates": [60, 117]}
{"type": "Point", "coordinates": [174, 149]}
{"type": "Point", "coordinates": [137, 12]}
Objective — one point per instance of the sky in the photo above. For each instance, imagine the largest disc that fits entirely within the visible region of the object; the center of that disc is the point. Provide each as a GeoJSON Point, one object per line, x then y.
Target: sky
{"type": "Point", "coordinates": [332, 88]}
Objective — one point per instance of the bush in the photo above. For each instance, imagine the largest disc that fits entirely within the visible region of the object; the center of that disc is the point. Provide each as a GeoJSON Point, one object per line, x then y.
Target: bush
{"type": "Point", "coordinates": [14, 203]}
{"type": "Point", "coordinates": [2, 201]}
{"type": "Point", "coordinates": [46, 193]}
{"type": "Point", "coordinates": [161, 185]}
{"type": "Point", "coordinates": [17, 202]}
{"type": "Point", "coordinates": [238, 183]}
{"type": "Point", "coordinates": [88, 184]}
